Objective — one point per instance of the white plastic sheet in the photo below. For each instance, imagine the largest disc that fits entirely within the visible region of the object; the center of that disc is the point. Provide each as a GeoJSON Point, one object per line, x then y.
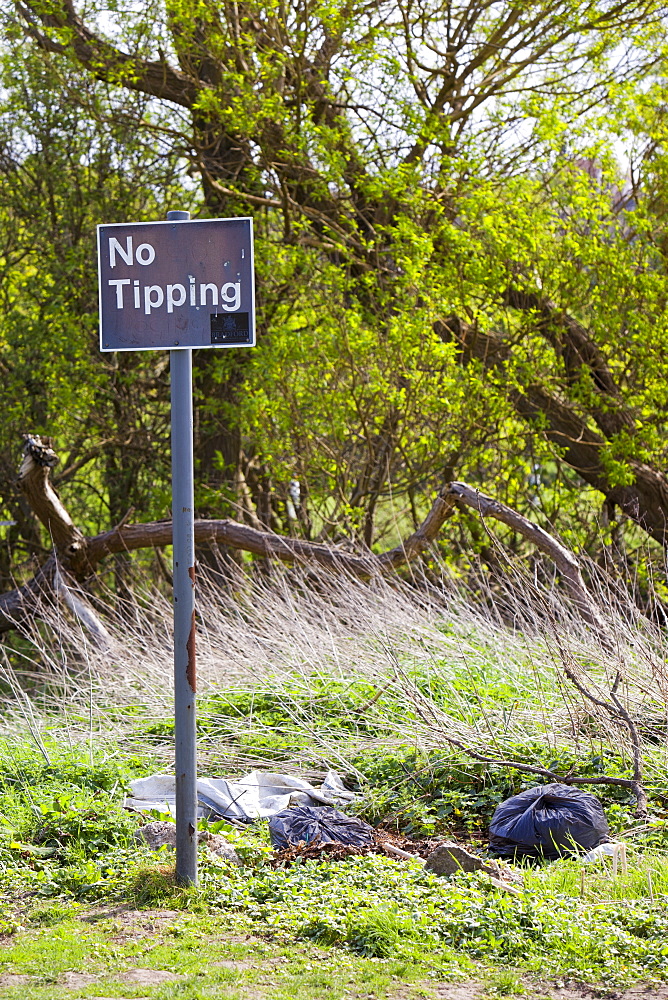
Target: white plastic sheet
{"type": "Point", "coordinates": [602, 851]}
{"type": "Point", "coordinates": [257, 795]}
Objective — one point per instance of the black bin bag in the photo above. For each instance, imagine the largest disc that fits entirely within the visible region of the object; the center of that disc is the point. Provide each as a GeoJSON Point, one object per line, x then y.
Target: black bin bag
{"type": "Point", "coordinates": [317, 824]}
{"type": "Point", "coordinates": [548, 821]}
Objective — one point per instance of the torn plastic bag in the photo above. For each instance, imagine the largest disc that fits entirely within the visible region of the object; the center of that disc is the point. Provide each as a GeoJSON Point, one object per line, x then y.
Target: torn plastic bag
{"type": "Point", "coordinates": [605, 850]}
{"type": "Point", "coordinates": [317, 823]}
{"type": "Point", "coordinates": [548, 821]}
{"type": "Point", "coordinates": [257, 795]}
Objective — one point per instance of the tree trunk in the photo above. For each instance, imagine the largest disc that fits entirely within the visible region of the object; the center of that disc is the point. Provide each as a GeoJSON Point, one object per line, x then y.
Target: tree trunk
{"type": "Point", "coordinates": [644, 500]}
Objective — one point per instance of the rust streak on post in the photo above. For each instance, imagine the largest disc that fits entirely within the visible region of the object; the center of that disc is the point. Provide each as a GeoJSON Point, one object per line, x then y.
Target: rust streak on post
{"type": "Point", "coordinates": [191, 669]}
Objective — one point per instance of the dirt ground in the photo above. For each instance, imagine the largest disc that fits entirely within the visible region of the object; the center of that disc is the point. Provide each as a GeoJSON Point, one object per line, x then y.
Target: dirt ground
{"type": "Point", "coordinates": [265, 964]}
{"type": "Point", "coordinates": [540, 991]}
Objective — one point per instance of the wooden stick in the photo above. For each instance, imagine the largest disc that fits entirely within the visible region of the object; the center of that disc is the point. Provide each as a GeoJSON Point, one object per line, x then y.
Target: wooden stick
{"type": "Point", "coordinates": [391, 849]}
{"type": "Point", "coordinates": [498, 884]}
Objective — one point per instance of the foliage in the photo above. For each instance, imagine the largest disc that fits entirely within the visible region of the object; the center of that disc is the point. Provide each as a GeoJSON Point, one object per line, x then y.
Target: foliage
{"type": "Point", "coordinates": [77, 847]}
{"type": "Point", "coordinates": [64, 810]}
{"type": "Point", "coordinates": [460, 258]}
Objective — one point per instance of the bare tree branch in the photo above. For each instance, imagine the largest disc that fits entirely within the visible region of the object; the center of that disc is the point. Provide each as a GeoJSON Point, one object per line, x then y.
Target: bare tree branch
{"type": "Point", "coordinates": [156, 78]}
{"type": "Point", "coordinates": [565, 560]}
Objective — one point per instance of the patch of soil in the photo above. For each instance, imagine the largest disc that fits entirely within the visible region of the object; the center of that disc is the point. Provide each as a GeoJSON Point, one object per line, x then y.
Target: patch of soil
{"type": "Point", "coordinates": [235, 965]}
{"type": "Point", "coordinates": [77, 980]}
{"type": "Point", "coordinates": [149, 977]}
{"type": "Point", "coordinates": [133, 924]}
{"type": "Point", "coordinates": [127, 912]}
{"type": "Point", "coordinates": [536, 991]}
{"type": "Point", "coordinates": [642, 991]}
{"type": "Point", "coordinates": [443, 991]}
{"type": "Point", "coordinates": [338, 852]}
{"type": "Point", "coordinates": [9, 980]}
{"type": "Point", "coordinates": [422, 847]}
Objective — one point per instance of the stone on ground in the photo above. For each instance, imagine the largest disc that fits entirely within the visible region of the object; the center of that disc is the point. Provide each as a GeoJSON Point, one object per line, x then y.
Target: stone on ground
{"type": "Point", "coordinates": [163, 834]}
{"type": "Point", "coordinates": [449, 858]}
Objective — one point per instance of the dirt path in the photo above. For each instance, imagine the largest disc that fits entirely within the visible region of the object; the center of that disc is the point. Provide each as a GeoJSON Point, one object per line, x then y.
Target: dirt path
{"type": "Point", "coordinates": [539, 991]}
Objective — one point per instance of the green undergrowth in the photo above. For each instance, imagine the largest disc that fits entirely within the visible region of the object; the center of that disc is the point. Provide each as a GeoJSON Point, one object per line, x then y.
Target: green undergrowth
{"type": "Point", "coordinates": [419, 791]}
{"type": "Point", "coordinates": [67, 845]}
{"type": "Point", "coordinates": [215, 957]}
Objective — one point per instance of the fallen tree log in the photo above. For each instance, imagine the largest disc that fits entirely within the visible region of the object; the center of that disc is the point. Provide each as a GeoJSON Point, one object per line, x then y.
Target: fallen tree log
{"type": "Point", "coordinates": [76, 557]}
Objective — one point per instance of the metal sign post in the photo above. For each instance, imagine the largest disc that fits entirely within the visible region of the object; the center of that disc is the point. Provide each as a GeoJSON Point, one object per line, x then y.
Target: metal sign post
{"type": "Point", "coordinates": [185, 664]}
{"type": "Point", "coordinates": [170, 285]}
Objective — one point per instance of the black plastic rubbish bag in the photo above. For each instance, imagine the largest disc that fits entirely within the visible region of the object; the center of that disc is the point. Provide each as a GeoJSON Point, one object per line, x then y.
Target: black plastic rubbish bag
{"type": "Point", "coordinates": [317, 823]}
{"type": "Point", "coordinates": [548, 821]}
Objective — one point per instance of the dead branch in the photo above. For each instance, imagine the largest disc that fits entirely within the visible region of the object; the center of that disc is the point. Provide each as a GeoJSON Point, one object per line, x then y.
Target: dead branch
{"type": "Point", "coordinates": [35, 484]}
{"type": "Point", "coordinates": [157, 534]}
{"type": "Point", "coordinates": [81, 610]}
{"type": "Point", "coordinates": [620, 714]}
{"type": "Point", "coordinates": [78, 556]}
{"type": "Point", "coordinates": [565, 560]}
{"type": "Point", "coordinates": [20, 605]}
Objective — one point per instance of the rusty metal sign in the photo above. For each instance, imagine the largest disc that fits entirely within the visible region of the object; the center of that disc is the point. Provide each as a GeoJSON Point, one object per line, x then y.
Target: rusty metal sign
{"type": "Point", "coordinates": [176, 284]}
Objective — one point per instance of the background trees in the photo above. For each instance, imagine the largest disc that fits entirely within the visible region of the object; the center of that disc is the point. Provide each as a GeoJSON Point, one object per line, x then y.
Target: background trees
{"type": "Point", "coordinates": [461, 258]}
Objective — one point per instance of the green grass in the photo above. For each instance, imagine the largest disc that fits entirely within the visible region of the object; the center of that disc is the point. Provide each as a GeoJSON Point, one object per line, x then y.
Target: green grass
{"type": "Point", "coordinates": [214, 956]}
{"type": "Point", "coordinates": [647, 876]}
{"type": "Point", "coordinates": [68, 846]}
{"type": "Point", "coordinates": [321, 928]}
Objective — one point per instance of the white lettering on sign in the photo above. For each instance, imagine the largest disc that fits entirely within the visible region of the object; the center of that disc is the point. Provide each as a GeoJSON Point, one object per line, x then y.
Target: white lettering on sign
{"type": "Point", "coordinates": [153, 297]}
{"type": "Point", "coordinates": [145, 254]}
{"type": "Point", "coordinates": [173, 290]}
{"type": "Point", "coordinates": [116, 248]}
{"type": "Point", "coordinates": [233, 289]}
{"type": "Point", "coordinates": [174, 295]}
{"type": "Point", "coordinates": [203, 289]}
{"type": "Point", "coordinates": [119, 282]}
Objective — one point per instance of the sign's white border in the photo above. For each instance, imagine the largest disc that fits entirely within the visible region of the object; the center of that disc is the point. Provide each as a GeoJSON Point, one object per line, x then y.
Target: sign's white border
{"type": "Point", "coordinates": [173, 222]}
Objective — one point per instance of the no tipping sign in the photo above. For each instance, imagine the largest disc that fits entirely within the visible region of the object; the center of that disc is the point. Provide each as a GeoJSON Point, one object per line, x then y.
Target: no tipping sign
{"type": "Point", "coordinates": [166, 285]}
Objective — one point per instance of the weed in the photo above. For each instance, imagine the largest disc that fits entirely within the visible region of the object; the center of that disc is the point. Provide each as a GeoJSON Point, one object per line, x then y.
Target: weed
{"type": "Point", "coordinates": [505, 983]}
{"type": "Point", "coordinates": [152, 885]}
{"type": "Point", "coordinates": [50, 914]}
{"type": "Point", "coordinates": [377, 932]}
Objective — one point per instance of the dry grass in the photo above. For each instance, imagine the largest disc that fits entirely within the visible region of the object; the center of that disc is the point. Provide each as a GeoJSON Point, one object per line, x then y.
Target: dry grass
{"type": "Point", "coordinates": [436, 653]}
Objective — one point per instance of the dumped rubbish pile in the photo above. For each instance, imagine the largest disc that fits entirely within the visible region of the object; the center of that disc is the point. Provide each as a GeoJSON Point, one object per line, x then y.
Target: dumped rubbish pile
{"type": "Point", "coordinates": [324, 825]}
{"type": "Point", "coordinates": [257, 795]}
{"type": "Point", "coordinates": [545, 822]}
